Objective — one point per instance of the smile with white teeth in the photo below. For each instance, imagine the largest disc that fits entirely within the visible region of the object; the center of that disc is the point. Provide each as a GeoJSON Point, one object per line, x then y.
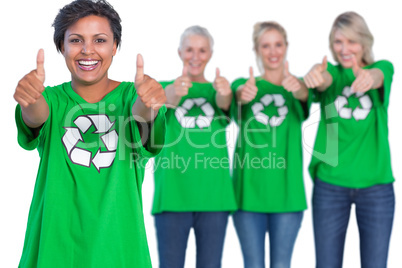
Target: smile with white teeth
{"type": "Point", "coordinates": [346, 57]}
{"type": "Point", "coordinates": [194, 65]}
{"type": "Point", "coordinates": [88, 63]}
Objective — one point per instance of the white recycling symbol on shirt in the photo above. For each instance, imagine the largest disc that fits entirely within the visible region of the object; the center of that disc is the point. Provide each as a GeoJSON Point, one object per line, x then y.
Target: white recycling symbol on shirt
{"type": "Point", "coordinates": [266, 100]}
{"type": "Point", "coordinates": [358, 113]}
{"type": "Point", "coordinates": [84, 157]}
{"type": "Point", "coordinates": [191, 121]}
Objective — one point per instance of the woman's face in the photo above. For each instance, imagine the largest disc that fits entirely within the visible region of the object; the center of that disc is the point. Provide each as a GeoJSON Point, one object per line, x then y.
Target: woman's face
{"type": "Point", "coordinates": [345, 49]}
{"type": "Point", "coordinates": [195, 54]}
{"type": "Point", "coordinates": [88, 49]}
{"type": "Point", "coordinates": [272, 49]}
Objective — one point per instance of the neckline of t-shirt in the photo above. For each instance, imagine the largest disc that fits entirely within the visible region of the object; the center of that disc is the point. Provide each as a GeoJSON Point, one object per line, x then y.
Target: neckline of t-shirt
{"type": "Point", "coordinates": [69, 90]}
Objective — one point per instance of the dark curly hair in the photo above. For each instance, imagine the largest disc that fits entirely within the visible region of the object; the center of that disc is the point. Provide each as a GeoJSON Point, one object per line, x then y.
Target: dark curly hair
{"type": "Point", "coordinates": [78, 9]}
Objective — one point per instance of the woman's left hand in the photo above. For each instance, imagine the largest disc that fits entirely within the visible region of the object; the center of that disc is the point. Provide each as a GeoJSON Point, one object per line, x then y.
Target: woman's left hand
{"type": "Point", "coordinates": [290, 82]}
{"type": "Point", "coordinates": [364, 79]}
{"type": "Point", "coordinates": [150, 93]}
{"type": "Point", "coordinates": [221, 84]}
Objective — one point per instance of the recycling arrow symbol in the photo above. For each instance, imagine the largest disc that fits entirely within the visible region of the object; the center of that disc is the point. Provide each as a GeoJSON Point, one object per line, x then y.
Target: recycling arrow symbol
{"type": "Point", "coordinates": [191, 121]}
{"type": "Point", "coordinates": [278, 101]}
{"type": "Point", "coordinates": [83, 157]}
{"type": "Point", "coordinates": [358, 113]}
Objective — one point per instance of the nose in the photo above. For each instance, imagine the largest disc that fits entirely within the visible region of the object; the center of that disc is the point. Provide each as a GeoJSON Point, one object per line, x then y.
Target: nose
{"type": "Point", "coordinates": [87, 48]}
{"type": "Point", "coordinates": [344, 48]}
{"type": "Point", "coordinates": [195, 56]}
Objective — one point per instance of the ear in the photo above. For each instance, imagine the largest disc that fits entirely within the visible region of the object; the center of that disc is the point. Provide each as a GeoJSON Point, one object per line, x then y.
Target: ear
{"type": "Point", "coordinates": [179, 52]}
{"type": "Point", "coordinates": [114, 48]}
{"type": "Point", "coordinates": [62, 48]}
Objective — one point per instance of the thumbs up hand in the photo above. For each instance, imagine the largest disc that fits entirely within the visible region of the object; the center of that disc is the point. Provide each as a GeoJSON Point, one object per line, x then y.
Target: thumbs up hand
{"type": "Point", "coordinates": [224, 92]}
{"type": "Point", "coordinates": [28, 94]}
{"type": "Point", "coordinates": [30, 87]}
{"type": "Point", "coordinates": [182, 83]}
{"type": "Point", "coordinates": [221, 84]}
{"type": "Point", "coordinates": [364, 79]}
{"type": "Point", "coordinates": [315, 77]}
{"type": "Point", "coordinates": [290, 82]}
{"type": "Point", "coordinates": [150, 92]}
{"type": "Point", "coordinates": [247, 93]}
{"type": "Point", "coordinates": [294, 85]}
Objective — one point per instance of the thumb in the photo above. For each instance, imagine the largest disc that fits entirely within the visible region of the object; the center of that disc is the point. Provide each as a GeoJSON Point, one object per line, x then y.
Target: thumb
{"type": "Point", "coordinates": [286, 69]}
{"type": "Point", "coordinates": [355, 66]}
{"type": "Point", "coordinates": [185, 70]}
{"type": "Point", "coordinates": [324, 64]}
{"type": "Point", "coordinates": [217, 72]}
{"type": "Point", "coordinates": [139, 76]}
{"type": "Point", "coordinates": [40, 62]}
{"type": "Point", "coordinates": [252, 79]}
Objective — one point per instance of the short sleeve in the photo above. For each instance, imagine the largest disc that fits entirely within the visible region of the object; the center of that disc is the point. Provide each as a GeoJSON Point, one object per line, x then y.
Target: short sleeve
{"type": "Point", "coordinates": [387, 69]}
{"type": "Point", "coordinates": [25, 137]}
{"type": "Point", "coordinates": [156, 135]}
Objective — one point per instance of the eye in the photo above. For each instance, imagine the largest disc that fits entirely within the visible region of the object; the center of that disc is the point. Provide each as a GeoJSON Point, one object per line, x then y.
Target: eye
{"type": "Point", "coordinates": [100, 40]}
{"type": "Point", "coordinates": [75, 40]}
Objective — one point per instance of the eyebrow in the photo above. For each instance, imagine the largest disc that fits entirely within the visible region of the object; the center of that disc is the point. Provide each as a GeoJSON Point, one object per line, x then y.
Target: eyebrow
{"type": "Point", "coordinates": [79, 35]}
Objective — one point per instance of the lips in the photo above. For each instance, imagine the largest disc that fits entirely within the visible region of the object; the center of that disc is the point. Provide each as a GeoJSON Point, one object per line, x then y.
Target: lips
{"type": "Point", "coordinates": [88, 65]}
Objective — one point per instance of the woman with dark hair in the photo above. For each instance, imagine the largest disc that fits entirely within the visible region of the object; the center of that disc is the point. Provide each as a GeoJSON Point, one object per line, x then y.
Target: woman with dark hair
{"type": "Point", "coordinates": [351, 162]}
{"type": "Point", "coordinates": [86, 209]}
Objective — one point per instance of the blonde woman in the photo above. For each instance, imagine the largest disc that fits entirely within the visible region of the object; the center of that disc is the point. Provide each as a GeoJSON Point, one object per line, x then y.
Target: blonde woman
{"type": "Point", "coordinates": [351, 162]}
{"type": "Point", "coordinates": [268, 162]}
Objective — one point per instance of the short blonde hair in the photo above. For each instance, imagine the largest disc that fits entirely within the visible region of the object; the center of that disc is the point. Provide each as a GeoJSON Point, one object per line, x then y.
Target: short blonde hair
{"type": "Point", "coordinates": [259, 29]}
{"type": "Point", "coordinates": [354, 27]}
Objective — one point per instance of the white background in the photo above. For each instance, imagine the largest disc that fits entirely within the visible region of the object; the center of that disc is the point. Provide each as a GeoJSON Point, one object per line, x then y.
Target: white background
{"type": "Point", "coordinates": [153, 28]}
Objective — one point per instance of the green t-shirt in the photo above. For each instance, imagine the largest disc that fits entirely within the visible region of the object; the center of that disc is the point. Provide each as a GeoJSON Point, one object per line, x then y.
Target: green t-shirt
{"type": "Point", "coordinates": [86, 209]}
{"type": "Point", "coordinates": [192, 171]}
{"type": "Point", "coordinates": [268, 159]}
{"type": "Point", "coordinates": [351, 148]}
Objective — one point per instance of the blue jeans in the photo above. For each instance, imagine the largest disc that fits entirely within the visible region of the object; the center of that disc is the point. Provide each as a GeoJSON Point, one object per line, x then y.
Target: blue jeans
{"type": "Point", "coordinates": [374, 213]}
{"type": "Point", "coordinates": [172, 231]}
{"type": "Point", "coordinates": [251, 229]}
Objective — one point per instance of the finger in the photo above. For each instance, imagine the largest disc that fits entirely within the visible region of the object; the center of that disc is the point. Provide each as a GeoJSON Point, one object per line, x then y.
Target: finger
{"type": "Point", "coordinates": [252, 79]}
{"type": "Point", "coordinates": [246, 96]}
{"type": "Point", "coordinates": [355, 66]}
{"type": "Point", "coordinates": [185, 70]}
{"type": "Point", "coordinates": [286, 69]}
{"type": "Point", "coordinates": [217, 73]}
{"type": "Point", "coordinates": [139, 76]}
{"type": "Point", "coordinates": [40, 68]}
{"type": "Point", "coordinates": [324, 64]}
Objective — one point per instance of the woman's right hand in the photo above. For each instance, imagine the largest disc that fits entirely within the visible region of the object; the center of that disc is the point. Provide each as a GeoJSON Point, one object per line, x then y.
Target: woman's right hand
{"type": "Point", "coordinates": [179, 89]}
{"type": "Point", "coordinates": [248, 91]}
{"type": "Point", "coordinates": [317, 77]}
{"type": "Point", "coordinates": [28, 94]}
{"type": "Point", "coordinates": [30, 87]}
